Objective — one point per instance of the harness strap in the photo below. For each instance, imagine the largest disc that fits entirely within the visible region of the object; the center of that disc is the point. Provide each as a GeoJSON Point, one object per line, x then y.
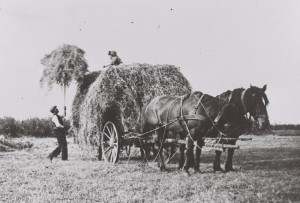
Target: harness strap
{"type": "Point", "coordinates": [193, 117]}
{"type": "Point", "coordinates": [198, 103]}
{"type": "Point", "coordinates": [243, 101]}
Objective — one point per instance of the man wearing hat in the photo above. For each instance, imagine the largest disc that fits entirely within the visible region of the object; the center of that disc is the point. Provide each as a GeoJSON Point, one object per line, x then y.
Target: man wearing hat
{"type": "Point", "coordinates": [115, 59]}
{"type": "Point", "coordinates": [60, 133]}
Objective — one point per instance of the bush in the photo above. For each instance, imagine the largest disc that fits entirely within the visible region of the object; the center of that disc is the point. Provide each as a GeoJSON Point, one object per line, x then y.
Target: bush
{"type": "Point", "coordinates": [36, 127]}
{"type": "Point", "coordinates": [9, 126]}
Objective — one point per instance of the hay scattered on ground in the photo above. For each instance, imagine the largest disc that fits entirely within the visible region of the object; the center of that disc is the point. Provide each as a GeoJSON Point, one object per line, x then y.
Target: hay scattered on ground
{"type": "Point", "coordinates": [7, 145]}
{"type": "Point", "coordinates": [119, 94]}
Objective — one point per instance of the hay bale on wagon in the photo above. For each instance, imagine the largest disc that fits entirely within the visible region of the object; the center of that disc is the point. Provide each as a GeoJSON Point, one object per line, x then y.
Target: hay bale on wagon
{"type": "Point", "coordinates": [119, 94]}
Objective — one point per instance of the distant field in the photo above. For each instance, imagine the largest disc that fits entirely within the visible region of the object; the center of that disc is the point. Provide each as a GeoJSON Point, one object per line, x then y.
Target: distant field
{"type": "Point", "coordinates": [287, 132]}
{"type": "Point", "coordinates": [267, 170]}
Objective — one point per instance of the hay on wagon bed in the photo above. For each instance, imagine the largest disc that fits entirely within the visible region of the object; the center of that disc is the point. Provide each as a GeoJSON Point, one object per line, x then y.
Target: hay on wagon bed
{"type": "Point", "coordinates": [119, 94]}
{"type": "Point", "coordinates": [81, 92]}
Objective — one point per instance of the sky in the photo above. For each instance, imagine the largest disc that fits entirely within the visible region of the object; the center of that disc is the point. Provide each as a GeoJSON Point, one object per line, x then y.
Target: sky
{"type": "Point", "coordinates": [218, 45]}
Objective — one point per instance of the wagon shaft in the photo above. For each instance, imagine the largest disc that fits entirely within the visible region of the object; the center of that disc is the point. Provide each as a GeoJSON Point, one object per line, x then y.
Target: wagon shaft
{"type": "Point", "coordinates": [224, 146]}
{"type": "Point", "coordinates": [175, 141]}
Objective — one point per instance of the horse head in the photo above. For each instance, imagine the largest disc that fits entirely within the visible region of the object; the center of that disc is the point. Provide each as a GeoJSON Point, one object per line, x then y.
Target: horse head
{"type": "Point", "coordinates": [255, 101]}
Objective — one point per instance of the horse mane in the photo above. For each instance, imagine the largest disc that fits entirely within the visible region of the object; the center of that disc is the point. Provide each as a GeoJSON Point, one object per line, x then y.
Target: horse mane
{"type": "Point", "coordinates": [254, 89]}
{"type": "Point", "coordinates": [266, 99]}
{"type": "Point", "coordinates": [235, 96]}
{"type": "Point", "coordinates": [225, 95]}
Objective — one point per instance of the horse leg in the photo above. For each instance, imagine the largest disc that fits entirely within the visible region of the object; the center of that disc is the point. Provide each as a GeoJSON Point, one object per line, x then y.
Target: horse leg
{"type": "Point", "coordinates": [200, 144]}
{"type": "Point", "coordinates": [159, 145]}
{"type": "Point", "coordinates": [144, 145]}
{"type": "Point", "coordinates": [144, 149]}
{"type": "Point", "coordinates": [228, 165]}
{"type": "Point", "coordinates": [181, 161]}
{"type": "Point", "coordinates": [156, 153]}
{"type": "Point", "coordinates": [217, 164]}
{"type": "Point", "coordinates": [161, 159]}
{"type": "Point", "coordinates": [189, 158]}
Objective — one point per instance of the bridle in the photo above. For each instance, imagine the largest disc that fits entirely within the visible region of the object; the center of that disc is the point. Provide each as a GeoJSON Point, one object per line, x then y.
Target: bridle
{"type": "Point", "coordinates": [256, 117]}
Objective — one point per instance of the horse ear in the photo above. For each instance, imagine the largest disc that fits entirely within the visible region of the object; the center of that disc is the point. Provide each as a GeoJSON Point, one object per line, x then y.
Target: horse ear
{"type": "Point", "coordinates": [264, 88]}
{"type": "Point", "coordinates": [250, 86]}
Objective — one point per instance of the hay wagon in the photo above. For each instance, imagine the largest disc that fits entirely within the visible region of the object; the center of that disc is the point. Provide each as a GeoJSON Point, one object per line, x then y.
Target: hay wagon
{"type": "Point", "coordinates": [108, 104]}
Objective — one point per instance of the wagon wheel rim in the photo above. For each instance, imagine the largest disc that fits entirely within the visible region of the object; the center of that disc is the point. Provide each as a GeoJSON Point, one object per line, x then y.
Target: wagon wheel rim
{"type": "Point", "coordinates": [110, 143]}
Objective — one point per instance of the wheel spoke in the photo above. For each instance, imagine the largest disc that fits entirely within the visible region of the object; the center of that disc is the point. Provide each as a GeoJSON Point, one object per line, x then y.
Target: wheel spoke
{"type": "Point", "coordinates": [109, 157]}
{"type": "Point", "coordinates": [107, 135]}
{"type": "Point", "coordinates": [108, 149]}
{"type": "Point", "coordinates": [109, 129]}
{"type": "Point", "coordinates": [113, 136]}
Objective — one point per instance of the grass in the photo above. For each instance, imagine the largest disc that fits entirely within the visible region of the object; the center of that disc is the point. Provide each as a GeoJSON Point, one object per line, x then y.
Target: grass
{"type": "Point", "coordinates": [267, 170]}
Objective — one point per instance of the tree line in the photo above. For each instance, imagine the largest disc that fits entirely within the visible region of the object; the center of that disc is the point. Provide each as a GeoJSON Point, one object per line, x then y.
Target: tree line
{"type": "Point", "coordinates": [42, 127]}
{"type": "Point", "coordinates": [36, 127]}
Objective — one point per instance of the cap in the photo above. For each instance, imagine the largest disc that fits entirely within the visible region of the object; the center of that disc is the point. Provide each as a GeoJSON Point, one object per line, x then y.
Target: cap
{"type": "Point", "coordinates": [112, 53]}
{"type": "Point", "coordinates": [52, 109]}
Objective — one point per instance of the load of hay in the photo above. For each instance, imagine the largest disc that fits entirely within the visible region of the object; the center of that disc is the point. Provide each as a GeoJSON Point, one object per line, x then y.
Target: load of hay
{"type": "Point", "coordinates": [119, 94]}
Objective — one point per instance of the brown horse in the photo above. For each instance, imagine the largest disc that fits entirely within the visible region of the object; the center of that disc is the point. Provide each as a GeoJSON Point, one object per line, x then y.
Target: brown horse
{"type": "Point", "coordinates": [251, 101]}
{"type": "Point", "coordinates": [189, 117]}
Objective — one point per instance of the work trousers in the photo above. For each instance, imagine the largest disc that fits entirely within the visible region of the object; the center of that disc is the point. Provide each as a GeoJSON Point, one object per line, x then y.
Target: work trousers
{"type": "Point", "coordinates": [62, 144]}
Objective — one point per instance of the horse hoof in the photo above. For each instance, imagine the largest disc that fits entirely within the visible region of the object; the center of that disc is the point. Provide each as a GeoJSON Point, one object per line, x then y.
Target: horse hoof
{"type": "Point", "coordinates": [229, 169]}
{"type": "Point", "coordinates": [187, 174]}
{"type": "Point", "coordinates": [218, 169]}
{"type": "Point", "coordinates": [163, 169]}
{"type": "Point", "coordinates": [197, 171]}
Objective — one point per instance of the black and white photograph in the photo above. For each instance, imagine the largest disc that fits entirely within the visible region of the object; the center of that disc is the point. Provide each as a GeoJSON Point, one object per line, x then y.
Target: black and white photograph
{"type": "Point", "coordinates": [149, 101]}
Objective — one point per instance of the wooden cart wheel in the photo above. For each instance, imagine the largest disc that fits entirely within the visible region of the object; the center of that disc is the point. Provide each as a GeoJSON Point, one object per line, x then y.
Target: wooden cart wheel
{"type": "Point", "coordinates": [110, 143]}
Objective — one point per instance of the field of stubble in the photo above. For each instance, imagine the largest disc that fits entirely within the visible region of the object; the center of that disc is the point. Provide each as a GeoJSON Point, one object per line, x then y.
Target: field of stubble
{"type": "Point", "coordinates": [267, 170]}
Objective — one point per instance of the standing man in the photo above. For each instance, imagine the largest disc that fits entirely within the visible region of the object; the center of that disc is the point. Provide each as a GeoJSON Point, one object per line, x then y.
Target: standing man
{"type": "Point", "coordinates": [60, 133]}
{"type": "Point", "coordinates": [115, 59]}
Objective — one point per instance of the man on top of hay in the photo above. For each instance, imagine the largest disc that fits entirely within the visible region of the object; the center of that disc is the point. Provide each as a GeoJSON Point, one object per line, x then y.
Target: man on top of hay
{"type": "Point", "coordinates": [115, 59]}
{"type": "Point", "coordinates": [60, 133]}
